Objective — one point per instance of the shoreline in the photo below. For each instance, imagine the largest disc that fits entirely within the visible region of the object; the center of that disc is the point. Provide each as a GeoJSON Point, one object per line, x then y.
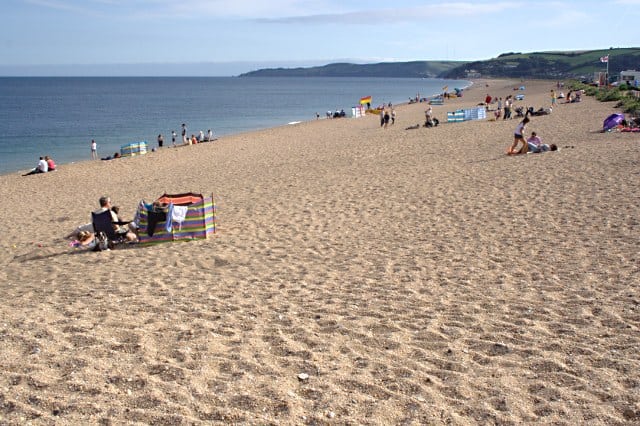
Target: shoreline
{"type": "Point", "coordinates": [358, 275]}
{"type": "Point", "coordinates": [109, 139]}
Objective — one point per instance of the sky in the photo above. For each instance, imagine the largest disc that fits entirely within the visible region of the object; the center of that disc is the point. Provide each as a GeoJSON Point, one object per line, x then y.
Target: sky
{"type": "Point", "coordinates": [229, 37]}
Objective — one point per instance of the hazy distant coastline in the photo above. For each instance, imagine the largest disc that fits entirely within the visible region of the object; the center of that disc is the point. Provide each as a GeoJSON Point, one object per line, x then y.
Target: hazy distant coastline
{"type": "Point", "coordinates": [539, 65]}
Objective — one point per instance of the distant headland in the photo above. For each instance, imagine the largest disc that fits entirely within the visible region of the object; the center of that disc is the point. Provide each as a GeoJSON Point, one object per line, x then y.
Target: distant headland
{"type": "Point", "coordinates": [542, 65]}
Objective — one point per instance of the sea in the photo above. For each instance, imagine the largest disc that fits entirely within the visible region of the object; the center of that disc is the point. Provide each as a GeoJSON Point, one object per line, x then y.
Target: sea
{"type": "Point", "coordinates": [59, 116]}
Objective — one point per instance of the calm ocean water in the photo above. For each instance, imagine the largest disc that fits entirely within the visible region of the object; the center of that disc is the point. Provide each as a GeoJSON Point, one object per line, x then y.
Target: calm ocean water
{"type": "Point", "coordinates": [59, 116]}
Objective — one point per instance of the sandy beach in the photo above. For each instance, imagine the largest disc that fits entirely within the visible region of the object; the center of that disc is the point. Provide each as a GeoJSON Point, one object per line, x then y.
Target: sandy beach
{"type": "Point", "coordinates": [359, 275]}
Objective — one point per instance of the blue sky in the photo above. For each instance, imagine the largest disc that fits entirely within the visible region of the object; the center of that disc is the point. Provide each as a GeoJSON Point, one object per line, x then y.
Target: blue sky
{"type": "Point", "coordinates": [228, 37]}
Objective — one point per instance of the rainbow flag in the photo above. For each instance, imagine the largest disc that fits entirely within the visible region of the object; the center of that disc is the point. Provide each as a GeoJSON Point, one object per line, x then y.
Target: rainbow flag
{"type": "Point", "coordinates": [365, 100]}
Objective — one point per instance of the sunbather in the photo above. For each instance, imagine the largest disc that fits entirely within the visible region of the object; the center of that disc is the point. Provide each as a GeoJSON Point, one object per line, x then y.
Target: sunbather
{"type": "Point", "coordinates": [535, 144]}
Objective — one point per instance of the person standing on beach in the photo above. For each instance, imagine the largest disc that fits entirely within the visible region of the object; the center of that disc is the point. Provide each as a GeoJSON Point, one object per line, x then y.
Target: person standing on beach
{"type": "Point", "coordinates": [554, 98]}
{"type": "Point", "coordinates": [507, 108]}
{"type": "Point", "coordinates": [184, 133]}
{"type": "Point", "coordinates": [160, 140]}
{"type": "Point", "coordinates": [173, 138]}
{"type": "Point", "coordinates": [518, 137]}
{"type": "Point", "coordinates": [393, 116]}
{"type": "Point", "coordinates": [94, 150]}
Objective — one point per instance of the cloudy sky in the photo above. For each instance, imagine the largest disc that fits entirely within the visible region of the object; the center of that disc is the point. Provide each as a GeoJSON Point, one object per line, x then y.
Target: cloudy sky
{"type": "Point", "coordinates": [227, 37]}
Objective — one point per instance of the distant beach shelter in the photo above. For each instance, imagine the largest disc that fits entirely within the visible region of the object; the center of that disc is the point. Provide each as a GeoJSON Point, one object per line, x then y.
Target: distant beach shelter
{"type": "Point", "coordinates": [134, 148]}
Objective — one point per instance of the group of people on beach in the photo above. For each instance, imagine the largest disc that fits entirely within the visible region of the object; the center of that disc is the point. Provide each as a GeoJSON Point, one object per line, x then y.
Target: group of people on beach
{"type": "Point", "coordinates": [194, 139]}
{"type": "Point", "coordinates": [532, 144]}
{"type": "Point", "coordinates": [505, 109]}
{"type": "Point", "coordinates": [522, 145]}
{"type": "Point", "coordinates": [201, 137]}
{"type": "Point", "coordinates": [45, 164]}
{"type": "Point", "coordinates": [85, 235]}
{"type": "Point", "coordinates": [387, 115]}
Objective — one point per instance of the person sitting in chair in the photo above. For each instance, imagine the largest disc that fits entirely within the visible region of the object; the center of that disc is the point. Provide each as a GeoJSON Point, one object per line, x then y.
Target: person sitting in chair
{"type": "Point", "coordinates": [124, 230]}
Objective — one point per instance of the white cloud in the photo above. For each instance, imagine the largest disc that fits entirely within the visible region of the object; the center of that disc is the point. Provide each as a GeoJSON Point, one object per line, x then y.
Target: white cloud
{"type": "Point", "coordinates": [55, 4]}
{"type": "Point", "coordinates": [398, 13]}
{"type": "Point", "coordinates": [279, 11]}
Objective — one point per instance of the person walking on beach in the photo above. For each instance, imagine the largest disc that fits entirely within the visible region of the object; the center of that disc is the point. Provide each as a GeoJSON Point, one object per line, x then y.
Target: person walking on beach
{"type": "Point", "coordinates": [386, 118]}
{"type": "Point", "coordinates": [184, 133]}
{"type": "Point", "coordinates": [173, 138]}
{"type": "Point", "coordinates": [393, 116]}
{"type": "Point", "coordinates": [94, 150]}
{"type": "Point", "coordinates": [518, 137]}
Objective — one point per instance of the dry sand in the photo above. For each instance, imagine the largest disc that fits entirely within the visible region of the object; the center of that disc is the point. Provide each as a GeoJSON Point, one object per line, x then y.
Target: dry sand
{"type": "Point", "coordinates": [416, 276]}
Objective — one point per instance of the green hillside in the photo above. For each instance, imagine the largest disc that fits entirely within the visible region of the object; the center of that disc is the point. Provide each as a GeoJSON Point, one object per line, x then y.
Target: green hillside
{"type": "Point", "coordinates": [550, 65]}
{"type": "Point", "coordinates": [414, 69]}
{"type": "Point", "coordinates": [577, 64]}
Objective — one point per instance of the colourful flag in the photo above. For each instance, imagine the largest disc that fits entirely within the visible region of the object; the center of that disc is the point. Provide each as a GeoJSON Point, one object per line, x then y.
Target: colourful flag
{"type": "Point", "coordinates": [365, 100]}
{"type": "Point", "coordinates": [604, 59]}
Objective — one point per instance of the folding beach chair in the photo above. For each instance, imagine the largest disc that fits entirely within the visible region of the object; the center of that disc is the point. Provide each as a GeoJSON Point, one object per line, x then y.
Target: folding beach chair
{"type": "Point", "coordinates": [103, 224]}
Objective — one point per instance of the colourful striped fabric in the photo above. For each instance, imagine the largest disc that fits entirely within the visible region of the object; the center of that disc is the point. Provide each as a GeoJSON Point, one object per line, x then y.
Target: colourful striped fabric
{"type": "Point", "coordinates": [133, 148]}
{"type": "Point", "coordinates": [478, 113]}
{"type": "Point", "coordinates": [456, 116]}
{"type": "Point", "coordinates": [199, 222]}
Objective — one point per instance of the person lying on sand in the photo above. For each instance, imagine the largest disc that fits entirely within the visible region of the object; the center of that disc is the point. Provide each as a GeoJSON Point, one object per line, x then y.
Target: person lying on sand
{"type": "Point", "coordinates": [535, 144]}
{"type": "Point", "coordinates": [85, 240]}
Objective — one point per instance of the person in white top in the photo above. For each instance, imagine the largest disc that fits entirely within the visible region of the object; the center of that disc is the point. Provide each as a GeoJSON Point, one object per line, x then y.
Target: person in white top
{"type": "Point", "coordinates": [42, 167]}
{"type": "Point", "coordinates": [518, 137]}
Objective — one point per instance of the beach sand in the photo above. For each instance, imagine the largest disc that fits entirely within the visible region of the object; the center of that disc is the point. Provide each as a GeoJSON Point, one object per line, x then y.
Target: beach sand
{"type": "Point", "coordinates": [411, 276]}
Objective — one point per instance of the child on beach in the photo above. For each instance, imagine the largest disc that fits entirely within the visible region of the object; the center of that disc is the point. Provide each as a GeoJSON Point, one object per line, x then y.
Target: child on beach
{"type": "Point", "coordinates": [518, 137]}
{"type": "Point", "coordinates": [85, 239]}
